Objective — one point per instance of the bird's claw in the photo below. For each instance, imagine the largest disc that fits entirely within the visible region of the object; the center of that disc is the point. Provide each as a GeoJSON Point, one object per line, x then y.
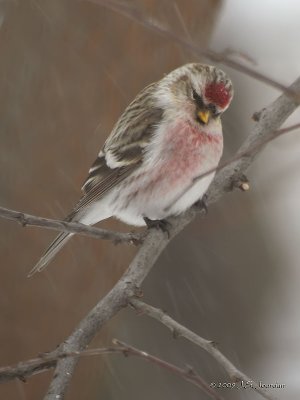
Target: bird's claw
{"type": "Point", "coordinates": [201, 204]}
{"type": "Point", "coordinates": [161, 224]}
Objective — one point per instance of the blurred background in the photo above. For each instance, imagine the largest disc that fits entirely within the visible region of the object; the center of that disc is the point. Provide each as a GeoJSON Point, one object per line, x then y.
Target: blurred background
{"type": "Point", "coordinates": [67, 71]}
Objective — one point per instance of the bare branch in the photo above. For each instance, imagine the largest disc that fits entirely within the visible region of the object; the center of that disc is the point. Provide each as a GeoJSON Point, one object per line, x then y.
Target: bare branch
{"type": "Point", "coordinates": [178, 330]}
{"type": "Point", "coordinates": [106, 308]}
{"type": "Point", "coordinates": [271, 119]}
{"type": "Point", "coordinates": [73, 227]}
{"type": "Point", "coordinates": [46, 361]}
{"type": "Point", "coordinates": [188, 373]}
{"type": "Point", "coordinates": [137, 16]}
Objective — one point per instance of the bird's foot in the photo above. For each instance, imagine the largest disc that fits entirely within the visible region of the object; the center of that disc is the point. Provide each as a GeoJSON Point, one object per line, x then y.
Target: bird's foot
{"type": "Point", "coordinates": [161, 224]}
{"type": "Point", "coordinates": [201, 204]}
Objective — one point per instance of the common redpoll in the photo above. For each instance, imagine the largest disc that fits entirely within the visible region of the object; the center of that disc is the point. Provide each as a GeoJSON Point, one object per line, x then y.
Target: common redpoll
{"type": "Point", "coordinates": [170, 134]}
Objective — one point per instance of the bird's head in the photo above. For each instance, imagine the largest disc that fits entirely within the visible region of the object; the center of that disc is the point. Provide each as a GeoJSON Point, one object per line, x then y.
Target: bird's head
{"type": "Point", "coordinates": [203, 91]}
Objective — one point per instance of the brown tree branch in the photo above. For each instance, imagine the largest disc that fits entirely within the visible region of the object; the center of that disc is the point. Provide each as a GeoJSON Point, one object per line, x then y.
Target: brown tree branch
{"type": "Point", "coordinates": [137, 16]}
{"type": "Point", "coordinates": [73, 227]}
{"type": "Point", "coordinates": [271, 118]}
{"type": "Point", "coordinates": [46, 361]}
{"type": "Point", "coordinates": [186, 373]}
{"type": "Point", "coordinates": [178, 330]}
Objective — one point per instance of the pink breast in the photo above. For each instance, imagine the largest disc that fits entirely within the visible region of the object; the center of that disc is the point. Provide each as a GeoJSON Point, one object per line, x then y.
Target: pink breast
{"type": "Point", "coordinates": [188, 153]}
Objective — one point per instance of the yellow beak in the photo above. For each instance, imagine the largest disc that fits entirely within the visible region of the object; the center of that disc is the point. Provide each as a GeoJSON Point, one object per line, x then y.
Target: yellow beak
{"type": "Point", "coordinates": [204, 116]}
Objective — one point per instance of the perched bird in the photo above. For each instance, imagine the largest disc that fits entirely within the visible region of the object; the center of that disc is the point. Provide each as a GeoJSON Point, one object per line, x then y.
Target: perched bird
{"type": "Point", "coordinates": [170, 134]}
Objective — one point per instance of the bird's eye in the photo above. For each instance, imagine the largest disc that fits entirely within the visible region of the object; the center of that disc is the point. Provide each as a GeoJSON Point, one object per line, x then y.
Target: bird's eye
{"type": "Point", "coordinates": [214, 110]}
{"type": "Point", "coordinates": [198, 99]}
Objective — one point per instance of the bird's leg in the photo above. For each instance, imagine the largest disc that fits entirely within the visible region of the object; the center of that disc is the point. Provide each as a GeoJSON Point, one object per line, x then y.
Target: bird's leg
{"type": "Point", "coordinates": [201, 204]}
{"type": "Point", "coordinates": [162, 224]}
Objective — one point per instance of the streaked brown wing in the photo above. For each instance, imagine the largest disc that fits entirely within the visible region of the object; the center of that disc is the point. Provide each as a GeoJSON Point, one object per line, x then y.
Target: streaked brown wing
{"type": "Point", "coordinates": [123, 150]}
{"type": "Point", "coordinates": [105, 180]}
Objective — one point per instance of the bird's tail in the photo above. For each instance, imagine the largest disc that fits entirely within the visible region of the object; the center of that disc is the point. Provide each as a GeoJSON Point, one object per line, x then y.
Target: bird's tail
{"type": "Point", "coordinates": [52, 250]}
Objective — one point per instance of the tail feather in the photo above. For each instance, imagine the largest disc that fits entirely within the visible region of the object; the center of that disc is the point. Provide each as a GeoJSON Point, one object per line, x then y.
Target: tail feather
{"type": "Point", "coordinates": [52, 250]}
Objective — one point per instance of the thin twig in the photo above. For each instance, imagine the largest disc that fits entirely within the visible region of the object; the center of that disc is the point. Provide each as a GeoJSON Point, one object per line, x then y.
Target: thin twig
{"type": "Point", "coordinates": [137, 16]}
{"type": "Point", "coordinates": [179, 330]}
{"type": "Point", "coordinates": [73, 227]}
{"type": "Point", "coordinates": [182, 22]}
{"type": "Point", "coordinates": [45, 361]}
{"type": "Point", "coordinates": [25, 369]}
{"type": "Point", "coordinates": [188, 373]}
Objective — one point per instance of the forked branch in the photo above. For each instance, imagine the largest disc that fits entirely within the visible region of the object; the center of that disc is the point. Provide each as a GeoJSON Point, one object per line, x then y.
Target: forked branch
{"type": "Point", "coordinates": [178, 330]}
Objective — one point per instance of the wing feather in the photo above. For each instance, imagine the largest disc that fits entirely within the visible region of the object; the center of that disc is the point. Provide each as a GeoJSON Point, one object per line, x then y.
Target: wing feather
{"type": "Point", "coordinates": [123, 150]}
